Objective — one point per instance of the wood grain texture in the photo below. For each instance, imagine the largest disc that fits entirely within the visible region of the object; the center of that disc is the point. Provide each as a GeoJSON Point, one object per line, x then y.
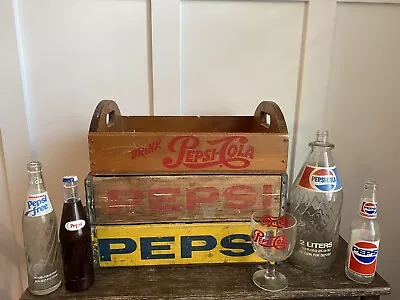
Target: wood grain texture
{"type": "Point", "coordinates": [106, 117]}
{"type": "Point", "coordinates": [154, 199]}
{"type": "Point", "coordinates": [219, 282]}
{"type": "Point", "coordinates": [258, 123]}
{"type": "Point", "coordinates": [183, 152]}
{"type": "Point", "coordinates": [210, 144]}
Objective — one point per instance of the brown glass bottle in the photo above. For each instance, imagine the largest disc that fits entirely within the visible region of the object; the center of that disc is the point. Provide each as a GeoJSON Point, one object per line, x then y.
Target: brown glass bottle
{"type": "Point", "coordinates": [75, 240]}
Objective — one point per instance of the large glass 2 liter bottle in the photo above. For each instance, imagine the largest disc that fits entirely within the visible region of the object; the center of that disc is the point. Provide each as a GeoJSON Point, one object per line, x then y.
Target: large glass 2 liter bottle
{"type": "Point", "coordinates": [315, 199]}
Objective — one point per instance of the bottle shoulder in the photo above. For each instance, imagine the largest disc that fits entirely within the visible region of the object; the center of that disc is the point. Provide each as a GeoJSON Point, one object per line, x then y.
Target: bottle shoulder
{"type": "Point", "coordinates": [36, 189]}
{"type": "Point", "coordinates": [73, 211]}
{"type": "Point", "coordinates": [365, 227]}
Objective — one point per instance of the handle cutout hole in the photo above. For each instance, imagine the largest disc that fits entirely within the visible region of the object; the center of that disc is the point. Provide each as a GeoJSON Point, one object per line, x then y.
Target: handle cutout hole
{"type": "Point", "coordinates": [110, 117]}
{"type": "Point", "coordinates": [265, 119]}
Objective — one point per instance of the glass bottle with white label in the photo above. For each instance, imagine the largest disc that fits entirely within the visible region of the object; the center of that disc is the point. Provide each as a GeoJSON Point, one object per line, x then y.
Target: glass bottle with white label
{"type": "Point", "coordinates": [315, 199]}
{"type": "Point", "coordinates": [75, 237]}
{"type": "Point", "coordinates": [39, 226]}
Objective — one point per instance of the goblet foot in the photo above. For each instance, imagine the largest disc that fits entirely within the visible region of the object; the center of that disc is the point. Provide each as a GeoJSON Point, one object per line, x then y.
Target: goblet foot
{"type": "Point", "coordinates": [269, 283]}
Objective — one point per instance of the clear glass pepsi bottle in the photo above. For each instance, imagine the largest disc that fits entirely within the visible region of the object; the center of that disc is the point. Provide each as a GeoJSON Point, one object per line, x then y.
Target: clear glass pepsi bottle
{"type": "Point", "coordinates": [363, 248]}
{"type": "Point", "coordinates": [75, 238]}
{"type": "Point", "coordinates": [39, 226]}
{"type": "Point", "coordinates": [315, 199]}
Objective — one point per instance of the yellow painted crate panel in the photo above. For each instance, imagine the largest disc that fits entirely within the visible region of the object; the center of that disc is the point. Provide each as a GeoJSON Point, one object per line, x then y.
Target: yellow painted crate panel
{"type": "Point", "coordinates": [175, 243]}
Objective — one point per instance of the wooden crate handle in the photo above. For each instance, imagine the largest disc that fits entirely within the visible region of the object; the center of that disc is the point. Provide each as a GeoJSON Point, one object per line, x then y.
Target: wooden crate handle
{"type": "Point", "coordinates": [269, 115]}
{"type": "Point", "coordinates": [106, 117]}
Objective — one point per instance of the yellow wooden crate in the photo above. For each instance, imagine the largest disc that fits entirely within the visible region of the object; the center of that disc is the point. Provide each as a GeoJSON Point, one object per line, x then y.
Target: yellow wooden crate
{"type": "Point", "coordinates": [176, 243]}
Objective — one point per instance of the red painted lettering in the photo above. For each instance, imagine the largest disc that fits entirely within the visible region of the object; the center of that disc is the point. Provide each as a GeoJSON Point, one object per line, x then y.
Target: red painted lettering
{"type": "Point", "coordinates": [154, 146]}
{"type": "Point", "coordinates": [233, 162]}
{"type": "Point", "coordinates": [232, 152]}
{"type": "Point", "coordinates": [163, 199]}
{"type": "Point", "coordinates": [249, 153]}
{"type": "Point", "coordinates": [189, 156]}
{"type": "Point", "coordinates": [257, 236]}
{"type": "Point", "coordinates": [170, 196]}
{"type": "Point", "coordinates": [278, 222]}
{"type": "Point", "coordinates": [180, 144]}
{"type": "Point", "coordinates": [145, 149]}
{"type": "Point", "coordinates": [198, 195]}
{"type": "Point", "coordinates": [240, 152]}
{"type": "Point", "coordinates": [278, 242]}
{"type": "Point", "coordinates": [214, 153]}
{"type": "Point", "coordinates": [198, 155]}
{"type": "Point", "coordinates": [121, 198]}
{"type": "Point", "coordinates": [267, 196]}
{"type": "Point", "coordinates": [240, 196]}
{"type": "Point", "coordinates": [140, 151]}
{"type": "Point", "coordinates": [207, 155]}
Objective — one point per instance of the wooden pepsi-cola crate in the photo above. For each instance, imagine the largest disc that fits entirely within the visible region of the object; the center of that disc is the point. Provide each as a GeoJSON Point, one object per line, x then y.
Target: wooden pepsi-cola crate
{"type": "Point", "coordinates": [177, 219]}
{"type": "Point", "coordinates": [180, 190]}
{"type": "Point", "coordinates": [188, 144]}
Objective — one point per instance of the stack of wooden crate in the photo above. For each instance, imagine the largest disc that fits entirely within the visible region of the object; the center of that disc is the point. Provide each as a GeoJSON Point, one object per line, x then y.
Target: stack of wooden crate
{"type": "Point", "coordinates": [180, 190]}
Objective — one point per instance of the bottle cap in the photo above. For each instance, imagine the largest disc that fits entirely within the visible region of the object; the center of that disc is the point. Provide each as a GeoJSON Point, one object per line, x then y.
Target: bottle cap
{"type": "Point", "coordinates": [70, 178]}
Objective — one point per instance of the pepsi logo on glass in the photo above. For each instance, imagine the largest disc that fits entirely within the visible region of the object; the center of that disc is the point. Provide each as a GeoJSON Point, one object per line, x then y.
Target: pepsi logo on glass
{"type": "Point", "coordinates": [38, 205]}
{"type": "Point", "coordinates": [75, 225]}
{"type": "Point", "coordinates": [369, 209]}
{"type": "Point", "coordinates": [324, 180]}
{"type": "Point", "coordinates": [279, 242]}
{"type": "Point", "coordinates": [363, 257]}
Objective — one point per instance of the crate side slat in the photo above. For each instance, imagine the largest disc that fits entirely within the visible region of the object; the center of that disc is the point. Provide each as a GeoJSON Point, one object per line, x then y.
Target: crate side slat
{"type": "Point", "coordinates": [200, 153]}
{"type": "Point", "coordinates": [176, 198]}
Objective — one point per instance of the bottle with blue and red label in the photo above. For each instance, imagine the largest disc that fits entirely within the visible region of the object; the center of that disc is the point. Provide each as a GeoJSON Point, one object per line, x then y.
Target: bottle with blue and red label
{"type": "Point", "coordinates": [315, 199]}
{"type": "Point", "coordinates": [39, 226]}
{"type": "Point", "coordinates": [364, 240]}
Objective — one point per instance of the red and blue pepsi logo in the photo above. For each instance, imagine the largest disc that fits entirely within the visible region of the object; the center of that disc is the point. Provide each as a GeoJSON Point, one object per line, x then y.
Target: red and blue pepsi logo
{"type": "Point", "coordinates": [318, 179]}
{"type": "Point", "coordinates": [363, 257]}
{"type": "Point", "coordinates": [369, 209]}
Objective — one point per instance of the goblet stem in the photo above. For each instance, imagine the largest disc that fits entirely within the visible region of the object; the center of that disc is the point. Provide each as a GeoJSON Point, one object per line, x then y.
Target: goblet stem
{"type": "Point", "coordinates": [270, 270]}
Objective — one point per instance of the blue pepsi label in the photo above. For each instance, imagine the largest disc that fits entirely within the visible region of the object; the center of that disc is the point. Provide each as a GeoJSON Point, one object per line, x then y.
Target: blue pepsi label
{"type": "Point", "coordinates": [320, 179]}
{"type": "Point", "coordinates": [38, 205]}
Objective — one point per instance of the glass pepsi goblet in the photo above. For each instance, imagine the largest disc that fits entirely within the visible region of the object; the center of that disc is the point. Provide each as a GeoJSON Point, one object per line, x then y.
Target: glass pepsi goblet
{"type": "Point", "coordinates": [273, 238]}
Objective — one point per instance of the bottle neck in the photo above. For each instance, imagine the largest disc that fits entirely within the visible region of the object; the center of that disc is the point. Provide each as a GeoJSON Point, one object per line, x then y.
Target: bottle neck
{"type": "Point", "coordinates": [321, 154]}
{"type": "Point", "coordinates": [369, 195]}
{"type": "Point", "coordinates": [36, 182]}
{"type": "Point", "coordinates": [369, 203]}
{"type": "Point", "coordinates": [71, 192]}
{"type": "Point", "coordinates": [322, 140]}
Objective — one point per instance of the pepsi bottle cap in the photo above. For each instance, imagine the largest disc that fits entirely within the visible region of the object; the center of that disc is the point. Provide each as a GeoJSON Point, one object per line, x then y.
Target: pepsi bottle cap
{"type": "Point", "coordinates": [70, 178]}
